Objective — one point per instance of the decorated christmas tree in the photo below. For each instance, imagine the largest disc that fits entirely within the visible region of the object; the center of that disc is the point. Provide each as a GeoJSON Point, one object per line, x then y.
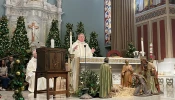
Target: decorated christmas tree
{"type": "Point", "coordinates": [19, 48]}
{"type": "Point", "coordinates": [54, 34]}
{"type": "Point", "coordinates": [93, 43]}
{"type": "Point", "coordinates": [19, 77]}
{"type": "Point", "coordinates": [4, 37]}
{"type": "Point", "coordinates": [80, 29]}
{"type": "Point", "coordinates": [20, 41]}
{"type": "Point", "coordinates": [130, 50]}
{"type": "Point", "coordinates": [67, 38]}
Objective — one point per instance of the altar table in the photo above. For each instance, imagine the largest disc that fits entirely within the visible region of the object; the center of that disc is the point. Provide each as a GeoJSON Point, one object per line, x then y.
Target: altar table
{"type": "Point", "coordinates": [94, 63]}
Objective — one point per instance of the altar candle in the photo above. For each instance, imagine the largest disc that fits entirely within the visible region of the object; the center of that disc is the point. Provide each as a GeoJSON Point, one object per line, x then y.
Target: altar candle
{"type": "Point", "coordinates": [70, 42]}
{"type": "Point", "coordinates": [52, 43]}
{"type": "Point", "coordinates": [151, 50]}
{"type": "Point", "coordinates": [142, 45]}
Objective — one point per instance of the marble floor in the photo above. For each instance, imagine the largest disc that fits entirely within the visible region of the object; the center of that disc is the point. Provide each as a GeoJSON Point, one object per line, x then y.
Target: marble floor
{"type": "Point", "coordinates": [7, 95]}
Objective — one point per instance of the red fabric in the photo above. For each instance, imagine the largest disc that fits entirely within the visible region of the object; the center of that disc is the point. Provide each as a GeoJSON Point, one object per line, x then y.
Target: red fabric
{"type": "Point", "coordinates": [173, 35]}
{"type": "Point", "coordinates": [139, 38]}
{"type": "Point", "coordinates": [155, 40]}
{"type": "Point", "coordinates": [162, 39]}
{"type": "Point", "coordinates": [145, 39]}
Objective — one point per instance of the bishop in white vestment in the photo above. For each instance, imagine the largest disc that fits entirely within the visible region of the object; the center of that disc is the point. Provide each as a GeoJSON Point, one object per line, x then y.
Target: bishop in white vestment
{"type": "Point", "coordinates": [79, 49]}
{"type": "Point", "coordinates": [30, 76]}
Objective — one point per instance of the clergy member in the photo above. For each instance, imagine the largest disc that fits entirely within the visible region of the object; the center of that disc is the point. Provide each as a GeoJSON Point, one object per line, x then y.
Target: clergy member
{"type": "Point", "coordinates": [80, 47]}
{"type": "Point", "coordinates": [30, 75]}
{"type": "Point", "coordinates": [105, 79]}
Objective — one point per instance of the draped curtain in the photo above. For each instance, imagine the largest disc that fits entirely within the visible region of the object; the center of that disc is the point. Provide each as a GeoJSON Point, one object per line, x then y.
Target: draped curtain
{"type": "Point", "coordinates": [122, 23]}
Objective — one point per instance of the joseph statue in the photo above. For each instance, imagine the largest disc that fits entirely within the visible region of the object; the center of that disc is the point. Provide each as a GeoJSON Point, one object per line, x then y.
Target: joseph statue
{"type": "Point", "coordinates": [105, 79]}
{"type": "Point", "coordinates": [148, 73]}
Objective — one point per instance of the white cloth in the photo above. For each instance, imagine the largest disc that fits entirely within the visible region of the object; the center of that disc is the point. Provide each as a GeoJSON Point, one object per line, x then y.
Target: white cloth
{"type": "Point", "coordinates": [80, 51]}
{"type": "Point", "coordinates": [30, 77]}
{"type": "Point", "coordinates": [75, 74]}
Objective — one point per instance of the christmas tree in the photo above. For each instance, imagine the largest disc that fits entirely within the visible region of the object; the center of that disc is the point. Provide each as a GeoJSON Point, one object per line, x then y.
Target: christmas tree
{"type": "Point", "coordinates": [19, 48]}
{"type": "Point", "coordinates": [93, 43]}
{"type": "Point", "coordinates": [4, 37]}
{"type": "Point", "coordinates": [20, 41]}
{"type": "Point", "coordinates": [67, 38]}
{"type": "Point", "coordinates": [54, 34]}
{"type": "Point", "coordinates": [130, 50]}
{"type": "Point", "coordinates": [80, 29]}
{"type": "Point", "coordinates": [18, 81]}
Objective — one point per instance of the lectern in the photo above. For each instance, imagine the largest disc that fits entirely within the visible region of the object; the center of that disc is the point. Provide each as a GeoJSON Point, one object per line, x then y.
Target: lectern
{"type": "Point", "coordinates": [50, 59]}
{"type": "Point", "coordinates": [51, 64]}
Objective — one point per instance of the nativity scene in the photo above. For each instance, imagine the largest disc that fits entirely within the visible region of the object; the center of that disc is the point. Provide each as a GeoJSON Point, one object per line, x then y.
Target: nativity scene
{"type": "Point", "coordinates": [71, 49]}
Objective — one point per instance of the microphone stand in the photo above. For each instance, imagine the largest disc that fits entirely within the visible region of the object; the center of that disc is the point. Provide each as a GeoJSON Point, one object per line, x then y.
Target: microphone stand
{"type": "Point", "coordinates": [85, 89]}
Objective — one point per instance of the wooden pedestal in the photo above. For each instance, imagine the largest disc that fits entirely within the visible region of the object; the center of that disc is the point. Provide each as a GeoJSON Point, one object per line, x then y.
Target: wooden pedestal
{"type": "Point", "coordinates": [48, 75]}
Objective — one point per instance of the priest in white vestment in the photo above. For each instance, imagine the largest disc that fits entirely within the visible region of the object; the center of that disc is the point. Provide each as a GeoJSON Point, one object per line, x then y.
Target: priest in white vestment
{"type": "Point", "coordinates": [30, 75]}
{"type": "Point", "coordinates": [79, 49]}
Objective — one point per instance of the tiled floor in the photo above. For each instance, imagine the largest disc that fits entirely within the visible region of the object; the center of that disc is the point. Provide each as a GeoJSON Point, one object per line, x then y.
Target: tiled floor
{"type": "Point", "coordinates": [7, 95]}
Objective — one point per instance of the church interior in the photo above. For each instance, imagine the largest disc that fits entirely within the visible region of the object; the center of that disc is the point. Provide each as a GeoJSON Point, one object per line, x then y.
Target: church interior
{"type": "Point", "coordinates": [87, 49]}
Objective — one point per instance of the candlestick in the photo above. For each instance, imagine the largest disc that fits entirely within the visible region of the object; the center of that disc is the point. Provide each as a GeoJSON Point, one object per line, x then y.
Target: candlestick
{"type": "Point", "coordinates": [70, 42]}
{"type": "Point", "coordinates": [142, 45]}
{"type": "Point", "coordinates": [52, 43]}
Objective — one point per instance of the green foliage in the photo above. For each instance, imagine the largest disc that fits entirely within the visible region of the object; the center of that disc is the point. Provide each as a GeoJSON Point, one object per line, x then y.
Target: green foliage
{"type": "Point", "coordinates": [20, 42]}
{"type": "Point", "coordinates": [130, 50]}
{"type": "Point", "coordinates": [66, 44]}
{"type": "Point", "coordinates": [89, 79]}
{"type": "Point", "coordinates": [80, 29]}
{"type": "Point", "coordinates": [54, 34]}
{"type": "Point", "coordinates": [94, 44]}
{"type": "Point", "coordinates": [18, 81]}
{"type": "Point", "coordinates": [4, 37]}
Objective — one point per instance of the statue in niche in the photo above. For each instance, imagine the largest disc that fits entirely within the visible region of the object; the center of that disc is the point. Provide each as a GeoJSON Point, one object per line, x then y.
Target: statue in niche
{"type": "Point", "coordinates": [59, 2]}
{"type": "Point", "coordinates": [8, 2]}
{"type": "Point", "coordinates": [34, 33]}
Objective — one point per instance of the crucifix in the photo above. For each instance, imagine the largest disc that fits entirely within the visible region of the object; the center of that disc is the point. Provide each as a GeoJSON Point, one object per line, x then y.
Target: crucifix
{"type": "Point", "coordinates": [33, 27]}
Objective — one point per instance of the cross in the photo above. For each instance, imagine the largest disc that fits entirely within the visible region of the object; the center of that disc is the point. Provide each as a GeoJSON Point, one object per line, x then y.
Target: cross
{"type": "Point", "coordinates": [33, 27]}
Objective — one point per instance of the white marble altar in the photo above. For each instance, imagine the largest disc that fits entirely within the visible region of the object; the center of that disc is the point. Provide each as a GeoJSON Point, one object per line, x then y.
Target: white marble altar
{"type": "Point", "coordinates": [166, 77]}
{"type": "Point", "coordinates": [94, 63]}
{"type": "Point", "coordinates": [39, 12]}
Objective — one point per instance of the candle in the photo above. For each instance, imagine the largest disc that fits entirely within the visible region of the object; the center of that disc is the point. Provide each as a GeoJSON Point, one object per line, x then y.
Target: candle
{"type": "Point", "coordinates": [52, 43]}
{"type": "Point", "coordinates": [142, 45]}
{"type": "Point", "coordinates": [151, 50]}
{"type": "Point", "coordinates": [70, 42]}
